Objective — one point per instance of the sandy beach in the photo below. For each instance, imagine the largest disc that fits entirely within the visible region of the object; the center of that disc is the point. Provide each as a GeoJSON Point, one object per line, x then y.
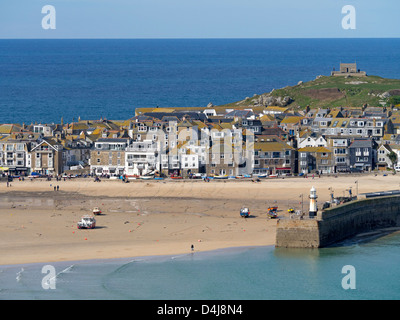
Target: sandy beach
{"type": "Point", "coordinates": [143, 218]}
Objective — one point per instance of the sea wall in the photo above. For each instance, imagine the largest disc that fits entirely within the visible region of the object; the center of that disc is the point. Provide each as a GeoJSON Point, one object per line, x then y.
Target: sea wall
{"type": "Point", "coordinates": [338, 223]}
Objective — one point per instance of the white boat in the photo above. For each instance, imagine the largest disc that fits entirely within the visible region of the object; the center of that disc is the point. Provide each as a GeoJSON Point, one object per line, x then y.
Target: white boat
{"type": "Point", "coordinates": [96, 211]}
{"type": "Point", "coordinates": [87, 222]}
{"type": "Point", "coordinates": [146, 177]}
{"type": "Point", "coordinates": [245, 212]}
{"type": "Point", "coordinates": [221, 177]}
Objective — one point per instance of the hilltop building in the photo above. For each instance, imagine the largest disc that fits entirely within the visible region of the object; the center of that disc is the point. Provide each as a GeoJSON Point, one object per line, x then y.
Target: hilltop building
{"type": "Point", "coordinates": [349, 69]}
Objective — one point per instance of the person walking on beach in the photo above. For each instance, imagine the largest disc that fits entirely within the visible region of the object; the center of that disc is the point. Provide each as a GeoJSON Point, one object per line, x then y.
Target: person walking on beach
{"type": "Point", "coordinates": [192, 247]}
{"type": "Point", "coordinates": [58, 188]}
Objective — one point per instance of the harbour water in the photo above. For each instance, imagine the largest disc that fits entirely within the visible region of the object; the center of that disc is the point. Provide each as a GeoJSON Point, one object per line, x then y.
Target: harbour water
{"type": "Point", "coordinates": [250, 273]}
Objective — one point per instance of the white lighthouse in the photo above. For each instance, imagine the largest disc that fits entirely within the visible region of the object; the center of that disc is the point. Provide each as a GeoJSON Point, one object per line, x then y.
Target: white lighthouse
{"type": "Point", "coordinates": [313, 202]}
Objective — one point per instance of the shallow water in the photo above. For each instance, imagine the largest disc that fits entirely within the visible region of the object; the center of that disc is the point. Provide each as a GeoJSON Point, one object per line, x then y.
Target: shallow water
{"type": "Point", "coordinates": [249, 273]}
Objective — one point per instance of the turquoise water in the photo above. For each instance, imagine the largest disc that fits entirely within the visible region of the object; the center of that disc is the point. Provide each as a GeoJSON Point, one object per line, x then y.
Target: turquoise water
{"type": "Point", "coordinates": [249, 273]}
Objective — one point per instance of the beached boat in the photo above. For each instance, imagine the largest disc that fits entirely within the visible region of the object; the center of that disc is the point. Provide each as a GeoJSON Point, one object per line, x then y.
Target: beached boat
{"type": "Point", "coordinates": [262, 175]}
{"type": "Point", "coordinates": [87, 222]}
{"type": "Point", "coordinates": [158, 178]}
{"type": "Point", "coordinates": [221, 177]}
{"type": "Point", "coordinates": [146, 177]}
{"type": "Point", "coordinates": [273, 176]}
{"type": "Point", "coordinates": [244, 212]}
{"type": "Point", "coordinates": [176, 177]}
{"type": "Point", "coordinates": [273, 208]}
{"type": "Point", "coordinates": [96, 211]}
{"type": "Point", "coordinates": [272, 214]}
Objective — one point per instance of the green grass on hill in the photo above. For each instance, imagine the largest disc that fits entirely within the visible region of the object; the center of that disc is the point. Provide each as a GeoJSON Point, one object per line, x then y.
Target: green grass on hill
{"type": "Point", "coordinates": [328, 91]}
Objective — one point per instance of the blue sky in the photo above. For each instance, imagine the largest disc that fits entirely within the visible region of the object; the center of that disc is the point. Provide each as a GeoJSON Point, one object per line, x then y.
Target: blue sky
{"type": "Point", "coordinates": [198, 19]}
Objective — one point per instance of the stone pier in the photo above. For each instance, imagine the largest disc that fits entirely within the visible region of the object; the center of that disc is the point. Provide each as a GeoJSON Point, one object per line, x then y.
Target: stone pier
{"type": "Point", "coordinates": [338, 223]}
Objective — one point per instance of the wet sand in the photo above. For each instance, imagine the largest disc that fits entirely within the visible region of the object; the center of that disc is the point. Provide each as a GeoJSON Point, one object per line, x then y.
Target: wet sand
{"type": "Point", "coordinates": [38, 224]}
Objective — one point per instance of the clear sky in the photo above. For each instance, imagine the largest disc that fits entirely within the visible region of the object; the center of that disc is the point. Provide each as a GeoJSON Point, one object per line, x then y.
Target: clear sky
{"type": "Point", "coordinates": [199, 19]}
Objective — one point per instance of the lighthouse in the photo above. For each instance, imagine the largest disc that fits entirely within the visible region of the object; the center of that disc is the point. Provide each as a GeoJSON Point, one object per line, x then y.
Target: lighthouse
{"type": "Point", "coordinates": [313, 202]}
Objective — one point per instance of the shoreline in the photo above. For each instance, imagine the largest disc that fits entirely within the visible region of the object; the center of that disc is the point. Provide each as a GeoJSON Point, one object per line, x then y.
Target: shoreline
{"type": "Point", "coordinates": [160, 218]}
{"type": "Point", "coordinates": [141, 258]}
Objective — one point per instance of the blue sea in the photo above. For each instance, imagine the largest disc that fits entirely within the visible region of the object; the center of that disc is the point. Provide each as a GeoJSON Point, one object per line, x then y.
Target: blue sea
{"type": "Point", "coordinates": [44, 80]}
{"type": "Point", "coordinates": [248, 273]}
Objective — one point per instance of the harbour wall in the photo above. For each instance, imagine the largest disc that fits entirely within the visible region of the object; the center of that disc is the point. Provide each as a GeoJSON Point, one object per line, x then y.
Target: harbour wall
{"type": "Point", "coordinates": [338, 223]}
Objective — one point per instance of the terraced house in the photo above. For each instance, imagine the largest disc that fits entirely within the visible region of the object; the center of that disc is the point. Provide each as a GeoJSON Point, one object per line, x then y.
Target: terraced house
{"type": "Point", "coordinates": [274, 156]}
{"type": "Point", "coordinates": [316, 160]}
{"type": "Point", "coordinates": [46, 157]}
{"type": "Point", "coordinates": [15, 152]}
{"type": "Point", "coordinates": [108, 156]}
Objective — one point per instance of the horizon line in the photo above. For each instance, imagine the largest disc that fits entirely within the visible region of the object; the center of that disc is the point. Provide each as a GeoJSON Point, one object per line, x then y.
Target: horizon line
{"type": "Point", "coordinates": [210, 38]}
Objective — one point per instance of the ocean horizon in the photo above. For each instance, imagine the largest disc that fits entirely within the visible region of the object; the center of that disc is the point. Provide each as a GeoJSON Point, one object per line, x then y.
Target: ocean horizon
{"type": "Point", "coordinates": [42, 80]}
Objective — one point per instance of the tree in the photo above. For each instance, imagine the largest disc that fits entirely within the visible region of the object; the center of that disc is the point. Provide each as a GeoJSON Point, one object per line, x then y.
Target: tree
{"type": "Point", "coordinates": [393, 158]}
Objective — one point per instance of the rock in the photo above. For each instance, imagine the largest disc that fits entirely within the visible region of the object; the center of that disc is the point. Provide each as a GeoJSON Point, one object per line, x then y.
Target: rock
{"type": "Point", "coordinates": [299, 83]}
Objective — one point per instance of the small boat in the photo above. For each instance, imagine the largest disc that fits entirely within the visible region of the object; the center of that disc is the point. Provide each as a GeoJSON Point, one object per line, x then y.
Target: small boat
{"type": "Point", "coordinates": [272, 214]}
{"type": "Point", "coordinates": [263, 175]}
{"type": "Point", "coordinates": [96, 211]}
{"type": "Point", "coordinates": [158, 178]}
{"type": "Point", "coordinates": [244, 212]}
{"type": "Point", "coordinates": [273, 176]}
{"type": "Point", "coordinates": [87, 222]}
{"type": "Point", "coordinates": [221, 177]}
{"type": "Point", "coordinates": [176, 177]}
{"type": "Point", "coordinates": [146, 177]}
{"type": "Point", "coordinates": [273, 209]}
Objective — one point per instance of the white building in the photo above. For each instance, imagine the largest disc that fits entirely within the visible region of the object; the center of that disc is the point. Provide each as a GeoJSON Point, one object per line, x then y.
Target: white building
{"type": "Point", "coordinates": [141, 158]}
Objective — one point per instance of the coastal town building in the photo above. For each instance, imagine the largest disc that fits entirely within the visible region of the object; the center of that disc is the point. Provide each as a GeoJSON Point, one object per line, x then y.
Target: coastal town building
{"type": "Point", "coordinates": [46, 157]}
{"type": "Point", "coordinates": [15, 151]}
{"type": "Point", "coordinates": [108, 156]}
{"type": "Point", "coordinates": [362, 155]}
{"type": "Point", "coordinates": [318, 160]}
{"type": "Point", "coordinates": [274, 157]}
{"type": "Point", "coordinates": [141, 158]}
